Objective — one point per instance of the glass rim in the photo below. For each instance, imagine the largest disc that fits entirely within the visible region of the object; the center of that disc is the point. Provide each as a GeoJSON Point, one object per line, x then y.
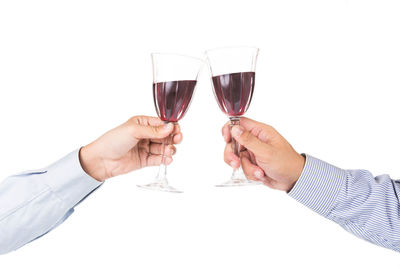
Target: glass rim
{"type": "Point", "coordinates": [176, 54]}
{"type": "Point", "coordinates": [232, 47]}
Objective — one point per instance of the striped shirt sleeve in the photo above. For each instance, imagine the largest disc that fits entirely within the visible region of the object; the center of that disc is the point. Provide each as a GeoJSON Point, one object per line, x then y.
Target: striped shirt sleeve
{"type": "Point", "coordinates": [362, 204]}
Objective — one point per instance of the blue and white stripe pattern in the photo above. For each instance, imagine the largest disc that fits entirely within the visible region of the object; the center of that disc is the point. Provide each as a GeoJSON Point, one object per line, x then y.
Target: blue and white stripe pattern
{"type": "Point", "coordinates": [362, 204]}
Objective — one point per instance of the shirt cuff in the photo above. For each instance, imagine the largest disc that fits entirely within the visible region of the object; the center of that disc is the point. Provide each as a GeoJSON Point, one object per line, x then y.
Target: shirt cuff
{"type": "Point", "coordinates": [68, 180]}
{"type": "Point", "coordinates": [319, 185]}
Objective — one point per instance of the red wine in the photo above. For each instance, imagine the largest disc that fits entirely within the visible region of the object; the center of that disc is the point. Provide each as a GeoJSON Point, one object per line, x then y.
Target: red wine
{"type": "Point", "coordinates": [234, 92]}
{"type": "Point", "coordinates": [172, 99]}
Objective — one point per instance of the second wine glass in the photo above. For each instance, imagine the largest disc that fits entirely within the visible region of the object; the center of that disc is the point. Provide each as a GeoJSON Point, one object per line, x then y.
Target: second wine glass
{"type": "Point", "coordinates": [233, 78]}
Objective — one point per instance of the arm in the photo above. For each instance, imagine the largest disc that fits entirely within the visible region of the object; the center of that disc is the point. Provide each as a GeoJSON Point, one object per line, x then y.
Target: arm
{"type": "Point", "coordinates": [364, 205]}
{"type": "Point", "coordinates": [34, 203]}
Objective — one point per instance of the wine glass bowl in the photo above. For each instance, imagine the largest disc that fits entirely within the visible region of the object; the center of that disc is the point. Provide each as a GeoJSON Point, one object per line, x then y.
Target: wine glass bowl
{"type": "Point", "coordinates": [172, 99]}
{"type": "Point", "coordinates": [234, 91]}
{"type": "Point", "coordinates": [233, 79]}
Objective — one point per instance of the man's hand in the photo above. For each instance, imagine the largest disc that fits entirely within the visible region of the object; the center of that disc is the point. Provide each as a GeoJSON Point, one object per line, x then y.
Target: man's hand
{"type": "Point", "coordinates": [266, 156]}
{"type": "Point", "coordinates": [133, 145]}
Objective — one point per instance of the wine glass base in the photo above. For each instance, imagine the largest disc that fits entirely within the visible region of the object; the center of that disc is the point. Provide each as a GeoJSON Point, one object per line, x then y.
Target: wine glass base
{"type": "Point", "coordinates": [238, 182]}
{"type": "Point", "coordinates": [160, 186]}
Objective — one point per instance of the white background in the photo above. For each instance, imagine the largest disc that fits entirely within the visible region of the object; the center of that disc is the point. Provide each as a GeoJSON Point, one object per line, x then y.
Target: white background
{"type": "Point", "coordinates": [327, 79]}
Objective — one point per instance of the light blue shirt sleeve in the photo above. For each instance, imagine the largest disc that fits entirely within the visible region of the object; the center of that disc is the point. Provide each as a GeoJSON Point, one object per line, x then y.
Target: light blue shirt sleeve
{"type": "Point", "coordinates": [362, 204]}
{"type": "Point", "coordinates": [35, 202]}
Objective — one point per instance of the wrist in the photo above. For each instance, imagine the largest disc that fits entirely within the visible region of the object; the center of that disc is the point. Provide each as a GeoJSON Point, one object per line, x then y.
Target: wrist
{"type": "Point", "coordinates": [91, 163]}
{"type": "Point", "coordinates": [299, 166]}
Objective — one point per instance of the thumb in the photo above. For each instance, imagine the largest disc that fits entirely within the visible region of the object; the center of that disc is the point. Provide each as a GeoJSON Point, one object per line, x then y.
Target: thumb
{"type": "Point", "coordinates": [156, 132]}
{"type": "Point", "coordinates": [251, 142]}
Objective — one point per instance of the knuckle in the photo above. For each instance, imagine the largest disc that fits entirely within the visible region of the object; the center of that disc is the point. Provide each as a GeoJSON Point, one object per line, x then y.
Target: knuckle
{"type": "Point", "coordinates": [246, 137]}
{"type": "Point", "coordinates": [135, 119]}
{"type": "Point", "coordinates": [155, 130]}
{"type": "Point", "coordinates": [131, 121]}
{"type": "Point", "coordinates": [269, 128]}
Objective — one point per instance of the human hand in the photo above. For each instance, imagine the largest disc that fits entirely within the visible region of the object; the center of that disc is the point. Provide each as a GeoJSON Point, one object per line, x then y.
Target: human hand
{"type": "Point", "coordinates": [265, 155]}
{"type": "Point", "coordinates": [135, 144]}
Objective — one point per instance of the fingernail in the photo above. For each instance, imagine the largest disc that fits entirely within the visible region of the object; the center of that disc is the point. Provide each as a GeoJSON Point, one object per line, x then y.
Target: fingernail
{"type": "Point", "coordinates": [168, 126]}
{"type": "Point", "coordinates": [258, 174]}
{"type": "Point", "coordinates": [237, 131]}
{"type": "Point", "coordinates": [233, 164]}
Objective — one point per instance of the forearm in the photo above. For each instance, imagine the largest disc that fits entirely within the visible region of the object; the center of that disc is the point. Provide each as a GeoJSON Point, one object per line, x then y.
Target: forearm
{"type": "Point", "coordinates": [33, 203]}
{"type": "Point", "coordinates": [364, 205]}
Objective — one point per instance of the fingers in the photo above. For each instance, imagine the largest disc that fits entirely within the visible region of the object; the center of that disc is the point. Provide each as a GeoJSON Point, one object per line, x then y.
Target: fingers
{"type": "Point", "coordinates": [145, 127]}
{"type": "Point", "coordinates": [155, 160]}
{"type": "Point", "coordinates": [157, 149]}
{"type": "Point", "coordinates": [251, 142]}
{"type": "Point", "coordinates": [230, 158]}
{"type": "Point", "coordinates": [152, 121]}
{"type": "Point", "coordinates": [255, 173]}
{"type": "Point", "coordinates": [226, 133]}
{"type": "Point", "coordinates": [252, 172]}
{"type": "Point", "coordinates": [258, 129]}
{"type": "Point", "coordinates": [177, 139]}
{"type": "Point", "coordinates": [177, 134]}
{"type": "Point", "coordinates": [146, 120]}
{"type": "Point", "coordinates": [139, 131]}
{"type": "Point", "coordinates": [249, 124]}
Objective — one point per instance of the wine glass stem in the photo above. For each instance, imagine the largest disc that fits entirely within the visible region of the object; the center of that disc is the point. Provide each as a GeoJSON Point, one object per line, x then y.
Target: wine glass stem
{"type": "Point", "coordinates": [235, 147]}
{"type": "Point", "coordinates": [162, 171]}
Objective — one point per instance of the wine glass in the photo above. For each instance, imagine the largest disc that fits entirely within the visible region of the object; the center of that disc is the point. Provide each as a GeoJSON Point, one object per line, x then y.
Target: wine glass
{"type": "Point", "coordinates": [174, 81]}
{"type": "Point", "coordinates": [233, 77]}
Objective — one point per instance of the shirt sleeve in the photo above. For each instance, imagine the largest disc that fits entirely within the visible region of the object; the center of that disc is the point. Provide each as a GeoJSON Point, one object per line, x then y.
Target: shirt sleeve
{"type": "Point", "coordinates": [362, 204]}
{"type": "Point", "coordinates": [35, 202]}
